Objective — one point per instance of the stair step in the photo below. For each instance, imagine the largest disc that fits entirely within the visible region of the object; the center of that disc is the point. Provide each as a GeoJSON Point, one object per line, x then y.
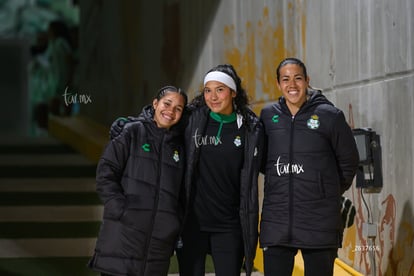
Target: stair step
{"type": "Point", "coordinates": [48, 214]}
{"type": "Point", "coordinates": [42, 171]}
{"type": "Point", "coordinates": [50, 247]}
{"type": "Point", "coordinates": [45, 266]}
{"type": "Point", "coordinates": [48, 198]}
{"type": "Point", "coordinates": [35, 149]}
{"type": "Point", "coordinates": [59, 184]}
{"type": "Point", "coordinates": [31, 230]}
{"type": "Point", "coordinates": [52, 160]}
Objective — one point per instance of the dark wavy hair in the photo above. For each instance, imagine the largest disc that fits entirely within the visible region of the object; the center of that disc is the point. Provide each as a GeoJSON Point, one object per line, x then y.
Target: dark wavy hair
{"type": "Point", "coordinates": [240, 102]}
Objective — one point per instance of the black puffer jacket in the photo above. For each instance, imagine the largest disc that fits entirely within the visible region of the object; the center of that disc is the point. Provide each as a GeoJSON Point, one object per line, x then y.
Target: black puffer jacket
{"type": "Point", "coordinates": [138, 180]}
{"type": "Point", "coordinates": [249, 206]}
{"type": "Point", "coordinates": [311, 160]}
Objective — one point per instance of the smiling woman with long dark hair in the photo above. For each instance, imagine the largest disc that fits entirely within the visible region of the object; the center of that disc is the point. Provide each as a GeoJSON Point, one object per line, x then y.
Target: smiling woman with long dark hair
{"type": "Point", "coordinates": [223, 146]}
{"type": "Point", "coordinates": [139, 180]}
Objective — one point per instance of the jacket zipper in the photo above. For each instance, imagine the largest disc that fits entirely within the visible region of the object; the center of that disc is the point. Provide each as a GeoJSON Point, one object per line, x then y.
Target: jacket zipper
{"type": "Point", "coordinates": [245, 217]}
{"type": "Point", "coordinates": [292, 122]}
{"type": "Point", "coordinates": [148, 240]}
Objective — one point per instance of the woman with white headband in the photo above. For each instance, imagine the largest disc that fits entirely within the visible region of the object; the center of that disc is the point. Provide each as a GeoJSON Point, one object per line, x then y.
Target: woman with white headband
{"type": "Point", "coordinates": [223, 141]}
{"type": "Point", "coordinates": [223, 146]}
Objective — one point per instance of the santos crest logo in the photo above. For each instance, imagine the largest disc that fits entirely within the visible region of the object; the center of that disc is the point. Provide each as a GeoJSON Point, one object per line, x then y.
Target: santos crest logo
{"type": "Point", "coordinates": [283, 168]}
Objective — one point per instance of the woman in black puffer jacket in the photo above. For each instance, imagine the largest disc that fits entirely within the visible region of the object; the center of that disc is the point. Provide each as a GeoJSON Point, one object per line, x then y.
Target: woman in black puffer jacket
{"type": "Point", "coordinates": [139, 180]}
{"type": "Point", "coordinates": [311, 160]}
{"type": "Point", "coordinates": [224, 140]}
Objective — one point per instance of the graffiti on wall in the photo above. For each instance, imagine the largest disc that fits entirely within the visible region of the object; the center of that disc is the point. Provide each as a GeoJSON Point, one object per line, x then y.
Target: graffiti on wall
{"type": "Point", "coordinates": [394, 244]}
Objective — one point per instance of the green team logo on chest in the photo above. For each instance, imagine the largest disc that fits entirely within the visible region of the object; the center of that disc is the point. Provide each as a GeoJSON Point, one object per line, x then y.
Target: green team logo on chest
{"type": "Point", "coordinates": [146, 147]}
{"type": "Point", "coordinates": [237, 141]}
{"type": "Point", "coordinates": [313, 122]}
{"type": "Point", "coordinates": [176, 156]}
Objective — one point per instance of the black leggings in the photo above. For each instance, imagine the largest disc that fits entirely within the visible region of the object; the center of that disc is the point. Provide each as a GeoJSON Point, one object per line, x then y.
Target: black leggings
{"type": "Point", "coordinates": [280, 260]}
{"type": "Point", "coordinates": [226, 249]}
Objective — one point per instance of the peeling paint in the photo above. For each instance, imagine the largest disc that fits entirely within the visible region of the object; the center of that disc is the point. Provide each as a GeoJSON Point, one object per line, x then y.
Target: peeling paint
{"type": "Point", "coordinates": [256, 62]}
{"type": "Point", "coordinates": [349, 43]}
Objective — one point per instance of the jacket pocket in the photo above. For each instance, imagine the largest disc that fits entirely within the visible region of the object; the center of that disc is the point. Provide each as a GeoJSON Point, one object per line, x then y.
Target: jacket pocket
{"type": "Point", "coordinates": [114, 208]}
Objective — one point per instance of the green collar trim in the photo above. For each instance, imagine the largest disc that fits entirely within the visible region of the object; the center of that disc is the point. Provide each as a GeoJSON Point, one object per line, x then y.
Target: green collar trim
{"type": "Point", "coordinates": [222, 119]}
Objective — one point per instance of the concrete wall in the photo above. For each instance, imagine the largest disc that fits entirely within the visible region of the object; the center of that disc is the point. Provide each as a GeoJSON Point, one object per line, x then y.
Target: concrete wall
{"type": "Point", "coordinates": [128, 50]}
{"type": "Point", "coordinates": [359, 52]}
{"type": "Point", "coordinates": [109, 59]}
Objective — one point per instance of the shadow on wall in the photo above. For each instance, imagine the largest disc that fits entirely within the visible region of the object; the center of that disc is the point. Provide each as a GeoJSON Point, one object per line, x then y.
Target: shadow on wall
{"type": "Point", "coordinates": [138, 54]}
{"type": "Point", "coordinates": [194, 32]}
{"type": "Point", "coordinates": [401, 258]}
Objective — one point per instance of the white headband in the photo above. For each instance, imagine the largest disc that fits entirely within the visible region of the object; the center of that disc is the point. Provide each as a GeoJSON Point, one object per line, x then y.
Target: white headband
{"type": "Point", "coordinates": [220, 77]}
